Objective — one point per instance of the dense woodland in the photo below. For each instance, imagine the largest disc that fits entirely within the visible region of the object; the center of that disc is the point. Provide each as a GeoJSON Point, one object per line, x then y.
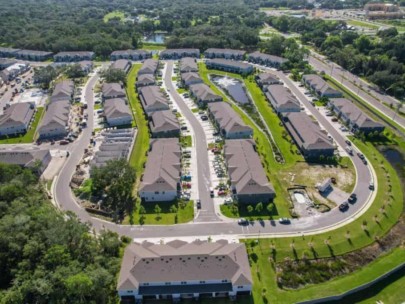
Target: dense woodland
{"type": "Point", "coordinates": [380, 59]}
{"type": "Point", "coordinates": [47, 256]}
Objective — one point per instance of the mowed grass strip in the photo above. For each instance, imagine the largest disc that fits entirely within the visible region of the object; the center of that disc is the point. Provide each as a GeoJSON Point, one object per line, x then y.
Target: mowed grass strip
{"type": "Point", "coordinates": [141, 146]}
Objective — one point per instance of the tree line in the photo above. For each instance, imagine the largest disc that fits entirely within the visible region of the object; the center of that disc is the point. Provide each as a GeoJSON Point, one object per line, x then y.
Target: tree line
{"type": "Point", "coordinates": [47, 256]}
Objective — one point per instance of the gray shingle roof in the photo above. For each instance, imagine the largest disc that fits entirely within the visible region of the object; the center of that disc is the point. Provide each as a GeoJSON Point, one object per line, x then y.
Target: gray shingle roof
{"type": "Point", "coordinates": [164, 121]}
{"type": "Point", "coordinates": [121, 64]}
{"type": "Point", "coordinates": [266, 57]}
{"type": "Point", "coordinates": [306, 132]}
{"type": "Point", "coordinates": [116, 107]}
{"type": "Point", "coordinates": [281, 97]}
{"type": "Point", "coordinates": [188, 64]}
{"type": "Point", "coordinates": [197, 261]}
{"type": "Point", "coordinates": [267, 79]}
{"type": "Point", "coordinates": [203, 92]}
{"type": "Point", "coordinates": [228, 63]}
{"type": "Point", "coordinates": [63, 90]}
{"type": "Point", "coordinates": [319, 85]}
{"type": "Point", "coordinates": [23, 158]}
{"type": "Point", "coordinates": [151, 97]}
{"type": "Point", "coordinates": [245, 168]}
{"type": "Point", "coordinates": [113, 90]}
{"type": "Point", "coordinates": [221, 52]}
{"type": "Point", "coordinates": [57, 113]}
{"type": "Point", "coordinates": [227, 118]}
{"type": "Point", "coordinates": [145, 79]}
{"type": "Point", "coordinates": [18, 113]}
{"type": "Point", "coordinates": [163, 167]}
{"type": "Point", "coordinates": [186, 77]}
{"type": "Point", "coordinates": [354, 114]}
{"type": "Point", "coordinates": [149, 66]}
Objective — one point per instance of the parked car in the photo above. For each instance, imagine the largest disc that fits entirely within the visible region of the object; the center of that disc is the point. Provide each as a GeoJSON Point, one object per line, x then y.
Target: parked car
{"type": "Point", "coordinates": [360, 155]}
{"type": "Point", "coordinates": [352, 198]}
{"type": "Point", "coordinates": [204, 117]}
{"type": "Point", "coordinates": [348, 142]}
{"type": "Point", "coordinates": [344, 206]}
{"type": "Point", "coordinates": [284, 220]}
{"type": "Point", "coordinates": [371, 186]}
{"type": "Point", "coordinates": [228, 201]}
{"type": "Point", "coordinates": [198, 204]}
{"type": "Point", "coordinates": [212, 192]}
{"type": "Point", "coordinates": [63, 142]}
{"type": "Point", "coordinates": [243, 221]}
{"type": "Point", "coordinates": [364, 161]}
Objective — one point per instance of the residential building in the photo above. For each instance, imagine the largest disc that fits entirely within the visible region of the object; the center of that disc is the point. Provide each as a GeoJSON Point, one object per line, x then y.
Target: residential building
{"type": "Point", "coordinates": [86, 65]}
{"type": "Point", "coordinates": [152, 99]}
{"type": "Point", "coordinates": [33, 55]}
{"type": "Point", "coordinates": [55, 123]}
{"type": "Point", "coordinates": [188, 64]}
{"type": "Point", "coordinates": [149, 66]}
{"type": "Point", "coordinates": [38, 159]}
{"type": "Point", "coordinates": [73, 56]}
{"type": "Point", "coordinates": [117, 112]}
{"type": "Point", "coordinates": [16, 118]}
{"type": "Point", "coordinates": [230, 66]}
{"type": "Point", "coordinates": [203, 94]}
{"type": "Point", "coordinates": [164, 124]}
{"type": "Point", "coordinates": [8, 52]}
{"type": "Point", "coordinates": [190, 78]}
{"type": "Point", "coordinates": [116, 144]}
{"type": "Point", "coordinates": [178, 270]}
{"type": "Point", "coordinates": [145, 80]}
{"type": "Point", "coordinates": [265, 59]}
{"type": "Point", "coordinates": [13, 71]}
{"type": "Point", "coordinates": [63, 90]}
{"type": "Point", "coordinates": [249, 182]}
{"type": "Point", "coordinates": [122, 64]}
{"type": "Point", "coordinates": [113, 90]}
{"type": "Point", "coordinates": [266, 79]}
{"type": "Point", "coordinates": [228, 122]}
{"type": "Point", "coordinates": [161, 179]}
{"type": "Point", "coordinates": [282, 99]}
{"type": "Point", "coordinates": [5, 63]}
{"type": "Point", "coordinates": [224, 53]}
{"type": "Point", "coordinates": [310, 139]}
{"type": "Point", "coordinates": [320, 87]}
{"type": "Point", "coordinates": [179, 53]}
{"type": "Point", "coordinates": [130, 55]}
{"type": "Point", "coordinates": [355, 118]}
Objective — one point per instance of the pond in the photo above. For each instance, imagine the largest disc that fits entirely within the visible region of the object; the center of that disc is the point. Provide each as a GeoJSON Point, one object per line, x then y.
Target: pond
{"type": "Point", "coordinates": [394, 157]}
{"type": "Point", "coordinates": [155, 38]}
{"type": "Point", "coordinates": [233, 87]}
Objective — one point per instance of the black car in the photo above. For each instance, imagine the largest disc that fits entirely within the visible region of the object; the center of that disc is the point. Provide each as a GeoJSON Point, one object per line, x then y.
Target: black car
{"type": "Point", "coordinates": [198, 204]}
{"type": "Point", "coordinates": [344, 206]}
{"type": "Point", "coordinates": [360, 155]}
{"type": "Point", "coordinates": [348, 142]}
{"type": "Point", "coordinates": [364, 161]}
{"type": "Point", "coordinates": [352, 198]}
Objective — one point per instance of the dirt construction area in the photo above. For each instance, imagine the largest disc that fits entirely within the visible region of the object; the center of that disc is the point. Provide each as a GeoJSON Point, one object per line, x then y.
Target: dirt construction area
{"type": "Point", "coordinates": [309, 175]}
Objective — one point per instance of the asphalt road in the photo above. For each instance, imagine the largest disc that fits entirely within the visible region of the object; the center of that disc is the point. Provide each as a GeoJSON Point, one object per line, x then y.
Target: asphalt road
{"type": "Point", "coordinates": [319, 223]}
{"type": "Point", "coordinates": [344, 76]}
{"type": "Point", "coordinates": [207, 212]}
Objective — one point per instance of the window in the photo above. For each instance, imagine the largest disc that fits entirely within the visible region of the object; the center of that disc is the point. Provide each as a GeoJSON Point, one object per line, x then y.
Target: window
{"type": "Point", "coordinates": [202, 282]}
{"type": "Point", "coordinates": [240, 287]}
{"type": "Point", "coordinates": [168, 283]}
{"type": "Point", "coordinates": [156, 192]}
{"type": "Point", "coordinates": [130, 291]}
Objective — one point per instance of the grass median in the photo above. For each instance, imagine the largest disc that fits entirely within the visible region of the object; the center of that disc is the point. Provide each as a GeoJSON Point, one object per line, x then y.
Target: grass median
{"type": "Point", "coordinates": [141, 146]}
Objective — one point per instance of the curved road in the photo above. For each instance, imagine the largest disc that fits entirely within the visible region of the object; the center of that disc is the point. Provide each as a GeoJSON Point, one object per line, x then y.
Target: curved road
{"type": "Point", "coordinates": [323, 222]}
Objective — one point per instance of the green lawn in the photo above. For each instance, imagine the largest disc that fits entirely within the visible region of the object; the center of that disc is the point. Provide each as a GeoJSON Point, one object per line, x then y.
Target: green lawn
{"type": "Point", "coordinates": [181, 91]}
{"type": "Point", "coordinates": [263, 146]}
{"type": "Point", "coordinates": [98, 106]}
{"type": "Point", "coordinates": [153, 46]}
{"type": "Point", "coordinates": [114, 14]}
{"type": "Point", "coordinates": [264, 278]}
{"type": "Point", "coordinates": [186, 141]}
{"type": "Point", "coordinates": [30, 135]}
{"type": "Point", "coordinates": [184, 214]}
{"type": "Point", "coordinates": [363, 24]}
{"type": "Point", "coordinates": [141, 146]}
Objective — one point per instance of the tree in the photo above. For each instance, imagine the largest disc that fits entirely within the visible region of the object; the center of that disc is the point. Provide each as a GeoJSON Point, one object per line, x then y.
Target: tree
{"type": "Point", "coordinates": [259, 207]}
{"type": "Point", "coordinates": [250, 209]}
{"type": "Point", "coordinates": [75, 71]}
{"type": "Point", "coordinates": [157, 210]}
{"type": "Point", "coordinates": [173, 209]}
{"type": "Point", "coordinates": [114, 183]}
{"type": "Point", "coordinates": [270, 207]}
{"type": "Point", "coordinates": [114, 75]}
{"type": "Point", "coordinates": [44, 75]}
